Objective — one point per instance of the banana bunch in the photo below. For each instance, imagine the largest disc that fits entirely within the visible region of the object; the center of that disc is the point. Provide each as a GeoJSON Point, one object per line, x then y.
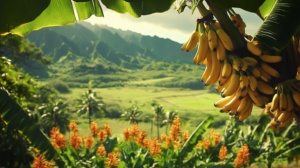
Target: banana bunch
{"type": "Point", "coordinates": [237, 21]}
{"type": "Point", "coordinates": [284, 104]}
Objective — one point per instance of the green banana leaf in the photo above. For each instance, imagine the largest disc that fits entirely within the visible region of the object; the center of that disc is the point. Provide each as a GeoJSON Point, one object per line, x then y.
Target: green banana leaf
{"type": "Point", "coordinates": [136, 8]}
{"type": "Point", "coordinates": [16, 12]}
{"type": "Point", "coordinates": [280, 25]}
{"type": "Point", "coordinates": [16, 118]}
{"type": "Point", "coordinates": [59, 13]}
{"type": "Point", "coordinates": [196, 136]}
{"type": "Point", "coordinates": [266, 8]}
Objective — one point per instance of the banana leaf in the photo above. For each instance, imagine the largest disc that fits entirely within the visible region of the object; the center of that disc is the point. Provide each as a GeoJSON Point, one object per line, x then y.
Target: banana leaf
{"type": "Point", "coordinates": [280, 25]}
{"type": "Point", "coordinates": [17, 118]}
{"type": "Point", "coordinates": [58, 13]}
{"type": "Point", "coordinates": [16, 12]}
{"type": "Point", "coordinates": [136, 8]}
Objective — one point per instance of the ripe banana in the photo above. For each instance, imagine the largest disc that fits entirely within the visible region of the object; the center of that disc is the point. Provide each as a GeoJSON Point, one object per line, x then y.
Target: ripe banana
{"type": "Point", "coordinates": [269, 70]}
{"type": "Point", "coordinates": [255, 98]}
{"type": "Point", "coordinates": [234, 84]}
{"type": "Point", "coordinates": [221, 53]}
{"type": "Point", "coordinates": [275, 103]}
{"type": "Point", "coordinates": [224, 101]}
{"type": "Point", "coordinates": [202, 47]}
{"type": "Point", "coordinates": [193, 41]}
{"type": "Point", "coordinates": [208, 67]}
{"type": "Point", "coordinates": [255, 72]}
{"type": "Point", "coordinates": [227, 69]}
{"type": "Point", "coordinates": [247, 113]}
{"type": "Point", "coordinates": [224, 38]}
{"type": "Point", "coordinates": [270, 59]}
{"type": "Point", "coordinates": [215, 71]}
{"type": "Point", "coordinates": [212, 39]}
{"type": "Point", "coordinates": [253, 49]}
{"type": "Point", "coordinates": [287, 121]}
{"type": "Point", "coordinates": [252, 82]}
{"type": "Point", "coordinates": [243, 81]}
{"type": "Point", "coordinates": [265, 88]}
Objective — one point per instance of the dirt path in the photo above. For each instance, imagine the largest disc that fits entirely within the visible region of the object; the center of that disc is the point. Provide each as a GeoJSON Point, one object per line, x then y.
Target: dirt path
{"type": "Point", "coordinates": [173, 104]}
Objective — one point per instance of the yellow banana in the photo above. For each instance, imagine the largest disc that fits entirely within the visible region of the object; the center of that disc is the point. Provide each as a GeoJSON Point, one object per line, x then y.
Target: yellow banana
{"type": "Point", "coordinates": [221, 52]}
{"type": "Point", "coordinates": [212, 39]}
{"type": "Point", "coordinates": [296, 96]}
{"type": "Point", "coordinates": [233, 104]}
{"type": "Point", "coordinates": [255, 98]}
{"type": "Point", "coordinates": [234, 84]}
{"type": "Point", "coordinates": [243, 81]}
{"type": "Point", "coordinates": [244, 65]}
{"type": "Point", "coordinates": [252, 82]}
{"type": "Point", "coordinates": [265, 88]}
{"type": "Point", "coordinates": [277, 114]}
{"type": "Point", "coordinates": [288, 120]}
{"type": "Point", "coordinates": [253, 49]}
{"type": "Point", "coordinates": [290, 106]}
{"type": "Point", "coordinates": [224, 38]}
{"type": "Point", "coordinates": [203, 45]}
{"type": "Point", "coordinates": [224, 101]}
{"type": "Point", "coordinates": [266, 77]}
{"type": "Point", "coordinates": [247, 113]}
{"type": "Point", "coordinates": [193, 41]}
{"type": "Point", "coordinates": [284, 116]}
{"type": "Point", "coordinates": [251, 61]}
{"type": "Point", "coordinates": [269, 70]}
{"type": "Point", "coordinates": [282, 101]}
{"type": "Point", "coordinates": [208, 67]}
{"type": "Point", "coordinates": [255, 72]}
{"type": "Point", "coordinates": [243, 106]}
{"type": "Point", "coordinates": [270, 59]}
{"type": "Point", "coordinates": [215, 72]}
{"type": "Point", "coordinates": [275, 103]}
{"type": "Point", "coordinates": [226, 69]}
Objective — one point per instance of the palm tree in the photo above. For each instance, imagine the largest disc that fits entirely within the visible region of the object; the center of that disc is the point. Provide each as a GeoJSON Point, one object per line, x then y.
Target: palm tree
{"type": "Point", "coordinates": [53, 114]}
{"type": "Point", "coordinates": [131, 114]}
{"type": "Point", "coordinates": [89, 103]}
{"type": "Point", "coordinates": [158, 112]}
{"type": "Point", "coordinates": [170, 115]}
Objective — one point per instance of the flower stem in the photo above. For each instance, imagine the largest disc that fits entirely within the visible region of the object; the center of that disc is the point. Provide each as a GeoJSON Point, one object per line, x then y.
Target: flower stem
{"type": "Point", "coordinates": [202, 9]}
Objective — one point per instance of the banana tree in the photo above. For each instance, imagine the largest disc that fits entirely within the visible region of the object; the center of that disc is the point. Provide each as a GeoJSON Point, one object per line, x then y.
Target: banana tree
{"type": "Point", "coordinates": [131, 114]}
{"type": "Point", "coordinates": [170, 115]}
{"type": "Point", "coordinates": [89, 104]}
{"type": "Point", "coordinates": [158, 112]}
{"type": "Point", "coordinates": [54, 114]}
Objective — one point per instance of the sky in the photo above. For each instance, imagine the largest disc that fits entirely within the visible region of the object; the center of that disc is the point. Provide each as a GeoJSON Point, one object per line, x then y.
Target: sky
{"type": "Point", "coordinates": [170, 24]}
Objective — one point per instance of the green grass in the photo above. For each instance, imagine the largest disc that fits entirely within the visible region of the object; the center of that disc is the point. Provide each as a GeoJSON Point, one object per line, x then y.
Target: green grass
{"type": "Point", "coordinates": [150, 81]}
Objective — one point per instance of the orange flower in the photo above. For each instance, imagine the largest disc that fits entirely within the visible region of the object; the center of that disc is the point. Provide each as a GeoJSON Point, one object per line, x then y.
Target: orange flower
{"type": "Point", "coordinates": [72, 125]}
{"type": "Point", "coordinates": [199, 145]}
{"type": "Point", "coordinates": [242, 156]}
{"type": "Point", "coordinates": [216, 138]}
{"type": "Point", "coordinates": [126, 133]}
{"type": "Point", "coordinates": [57, 139]}
{"type": "Point", "coordinates": [134, 131]}
{"type": "Point", "coordinates": [185, 135]}
{"type": "Point", "coordinates": [294, 159]}
{"type": "Point", "coordinates": [94, 128]}
{"type": "Point", "coordinates": [154, 146]}
{"type": "Point", "coordinates": [88, 142]}
{"type": "Point", "coordinates": [107, 128]}
{"type": "Point", "coordinates": [163, 137]}
{"type": "Point", "coordinates": [177, 144]}
{"type": "Point", "coordinates": [206, 143]}
{"type": "Point", "coordinates": [175, 128]}
{"type": "Point", "coordinates": [101, 151]}
{"type": "Point", "coordinates": [40, 162]}
{"type": "Point", "coordinates": [141, 137]}
{"type": "Point", "coordinates": [223, 153]}
{"type": "Point", "coordinates": [212, 133]}
{"type": "Point", "coordinates": [146, 143]}
{"type": "Point", "coordinates": [101, 135]}
{"type": "Point", "coordinates": [112, 159]}
{"type": "Point", "coordinates": [75, 140]}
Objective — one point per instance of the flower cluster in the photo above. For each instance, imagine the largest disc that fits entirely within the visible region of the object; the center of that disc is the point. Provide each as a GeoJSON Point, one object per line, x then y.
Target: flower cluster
{"type": "Point", "coordinates": [141, 138]}
{"type": "Point", "coordinates": [154, 146]}
{"type": "Point", "coordinates": [223, 153]}
{"type": "Point", "coordinates": [163, 137]}
{"type": "Point", "coordinates": [206, 143]}
{"type": "Point", "coordinates": [177, 144]}
{"type": "Point", "coordinates": [107, 128]}
{"type": "Point", "coordinates": [242, 156]}
{"type": "Point", "coordinates": [126, 134]}
{"type": "Point", "coordinates": [94, 128]}
{"type": "Point", "coordinates": [134, 131]}
{"type": "Point", "coordinates": [112, 159]}
{"type": "Point", "coordinates": [72, 125]}
{"type": "Point", "coordinates": [101, 151]}
{"type": "Point", "coordinates": [40, 162]}
{"type": "Point", "coordinates": [57, 139]}
{"type": "Point", "coordinates": [101, 136]}
{"type": "Point", "coordinates": [88, 142]}
{"type": "Point", "coordinates": [185, 135]}
{"type": "Point", "coordinates": [215, 136]}
{"type": "Point", "coordinates": [75, 139]}
{"type": "Point", "coordinates": [175, 128]}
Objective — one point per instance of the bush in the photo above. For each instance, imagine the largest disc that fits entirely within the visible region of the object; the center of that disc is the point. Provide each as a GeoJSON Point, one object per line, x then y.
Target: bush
{"type": "Point", "coordinates": [60, 86]}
